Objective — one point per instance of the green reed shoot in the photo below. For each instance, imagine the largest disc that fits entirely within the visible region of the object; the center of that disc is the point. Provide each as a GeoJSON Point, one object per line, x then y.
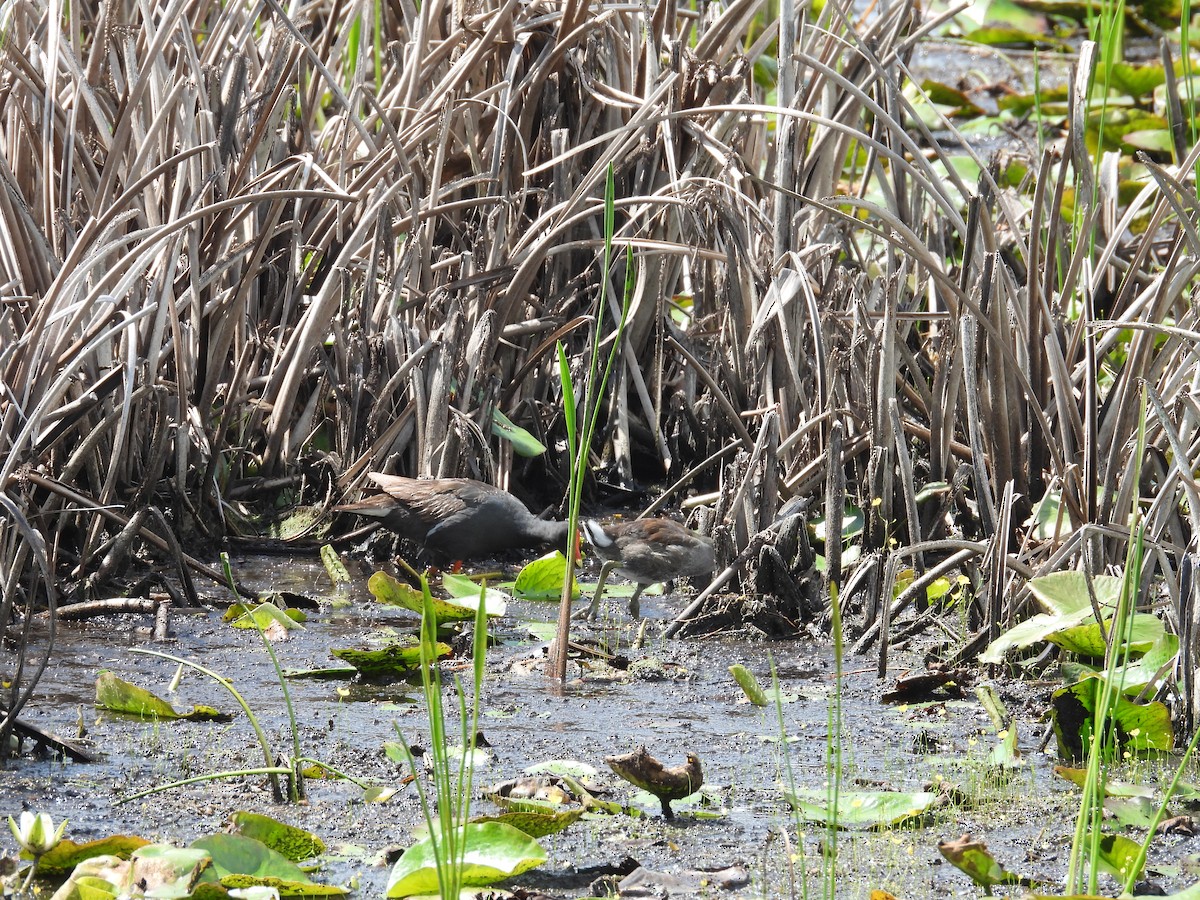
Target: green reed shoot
{"type": "Point", "coordinates": [581, 422]}
{"type": "Point", "coordinates": [451, 803]}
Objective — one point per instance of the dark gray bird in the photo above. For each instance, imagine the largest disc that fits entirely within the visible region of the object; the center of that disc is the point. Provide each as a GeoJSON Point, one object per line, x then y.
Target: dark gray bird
{"type": "Point", "coordinates": [456, 518]}
{"type": "Point", "coordinates": [646, 551]}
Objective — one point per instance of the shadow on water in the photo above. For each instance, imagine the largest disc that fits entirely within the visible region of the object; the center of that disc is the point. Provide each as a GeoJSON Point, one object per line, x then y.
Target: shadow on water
{"type": "Point", "coordinates": [687, 702]}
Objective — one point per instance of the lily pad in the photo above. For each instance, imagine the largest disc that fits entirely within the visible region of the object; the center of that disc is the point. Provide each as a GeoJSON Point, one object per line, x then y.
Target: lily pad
{"type": "Point", "coordinates": [66, 854]}
{"type": "Point", "coordinates": [864, 809]}
{"type": "Point", "coordinates": [974, 859]}
{"type": "Point", "coordinates": [466, 593]}
{"type": "Point", "coordinates": [265, 615]}
{"type": "Point", "coordinates": [542, 579]}
{"type": "Point", "coordinates": [386, 589]}
{"type": "Point", "coordinates": [535, 824]}
{"type": "Point", "coordinates": [494, 851]}
{"type": "Point", "coordinates": [1088, 640]}
{"type": "Point", "coordinates": [1139, 726]}
{"type": "Point", "coordinates": [393, 660]}
{"type": "Point", "coordinates": [290, 842]}
{"type": "Point", "coordinates": [236, 854]}
{"type": "Point", "coordinates": [117, 695]}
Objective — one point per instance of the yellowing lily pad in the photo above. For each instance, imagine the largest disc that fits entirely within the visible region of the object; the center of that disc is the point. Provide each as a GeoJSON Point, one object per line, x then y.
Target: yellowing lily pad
{"type": "Point", "coordinates": [117, 695]}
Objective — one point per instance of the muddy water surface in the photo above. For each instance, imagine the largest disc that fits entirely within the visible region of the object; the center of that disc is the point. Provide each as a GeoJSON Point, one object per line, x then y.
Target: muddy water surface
{"type": "Point", "coordinates": [683, 699]}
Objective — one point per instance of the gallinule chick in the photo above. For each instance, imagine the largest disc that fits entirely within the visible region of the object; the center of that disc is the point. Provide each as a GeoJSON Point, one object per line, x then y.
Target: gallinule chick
{"type": "Point", "coordinates": [667, 783]}
{"type": "Point", "coordinates": [456, 518]}
{"type": "Point", "coordinates": [646, 551]}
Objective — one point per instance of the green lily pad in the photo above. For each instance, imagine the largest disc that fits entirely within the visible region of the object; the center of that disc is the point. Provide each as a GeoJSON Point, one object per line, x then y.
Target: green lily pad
{"type": "Point", "coordinates": [266, 614]}
{"type": "Point", "coordinates": [236, 854]}
{"type": "Point", "coordinates": [494, 851]}
{"type": "Point", "coordinates": [864, 809]}
{"type": "Point", "coordinates": [542, 579]}
{"type": "Point", "coordinates": [1088, 640]}
{"type": "Point", "coordinates": [976, 861]}
{"type": "Point", "coordinates": [66, 854]}
{"type": "Point", "coordinates": [386, 589]}
{"type": "Point", "coordinates": [535, 824]}
{"type": "Point", "coordinates": [392, 660]}
{"type": "Point", "coordinates": [1139, 726]}
{"type": "Point", "coordinates": [157, 871]}
{"type": "Point", "coordinates": [117, 695]}
{"type": "Point", "coordinates": [1064, 597]}
{"type": "Point", "coordinates": [1117, 855]}
{"type": "Point", "coordinates": [466, 593]}
{"type": "Point", "coordinates": [290, 842]}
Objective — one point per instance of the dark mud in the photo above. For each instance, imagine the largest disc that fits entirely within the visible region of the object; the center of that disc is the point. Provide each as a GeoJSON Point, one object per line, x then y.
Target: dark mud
{"type": "Point", "coordinates": [687, 701]}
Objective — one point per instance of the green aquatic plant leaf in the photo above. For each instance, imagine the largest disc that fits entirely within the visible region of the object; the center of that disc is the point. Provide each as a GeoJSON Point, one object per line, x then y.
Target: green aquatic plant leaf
{"type": "Point", "coordinates": [334, 567]}
{"type": "Point", "coordinates": [265, 615]}
{"type": "Point", "coordinates": [523, 443]}
{"type": "Point", "coordinates": [1065, 598]}
{"type": "Point", "coordinates": [494, 851]}
{"type": "Point", "coordinates": [465, 592]}
{"type": "Point", "coordinates": [118, 695]}
{"type": "Point", "coordinates": [289, 841]}
{"type": "Point", "coordinates": [542, 579]}
{"type": "Point", "coordinates": [67, 854]}
{"type": "Point", "coordinates": [236, 854]}
{"type": "Point", "coordinates": [863, 809]}
{"type": "Point", "coordinates": [536, 824]}
{"type": "Point", "coordinates": [153, 870]}
{"type": "Point", "coordinates": [749, 685]}
{"type": "Point", "coordinates": [393, 660]}
{"type": "Point", "coordinates": [1088, 639]}
{"type": "Point", "coordinates": [975, 860]}
{"type": "Point", "coordinates": [1139, 726]}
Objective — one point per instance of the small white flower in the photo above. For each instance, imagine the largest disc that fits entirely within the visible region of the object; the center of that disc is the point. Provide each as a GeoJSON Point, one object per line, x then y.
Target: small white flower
{"type": "Point", "coordinates": [36, 834]}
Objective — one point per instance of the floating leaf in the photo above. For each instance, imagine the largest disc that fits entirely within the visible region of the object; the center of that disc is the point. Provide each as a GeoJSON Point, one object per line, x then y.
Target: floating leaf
{"type": "Point", "coordinates": [117, 695]}
{"type": "Point", "coordinates": [1117, 855]}
{"type": "Point", "coordinates": [536, 824]}
{"type": "Point", "coordinates": [66, 854]}
{"type": "Point", "coordinates": [864, 809]}
{"type": "Point", "coordinates": [265, 615]}
{"type": "Point", "coordinates": [542, 579]}
{"type": "Point", "coordinates": [393, 660]}
{"type": "Point", "coordinates": [236, 854]}
{"type": "Point", "coordinates": [466, 593]}
{"type": "Point", "coordinates": [974, 858]}
{"type": "Point", "coordinates": [494, 851]}
{"type": "Point", "coordinates": [292, 843]}
{"type": "Point", "coordinates": [154, 870]}
{"type": "Point", "coordinates": [386, 589]}
{"type": "Point", "coordinates": [1088, 640]}
{"type": "Point", "coordinates": [1138, 726]}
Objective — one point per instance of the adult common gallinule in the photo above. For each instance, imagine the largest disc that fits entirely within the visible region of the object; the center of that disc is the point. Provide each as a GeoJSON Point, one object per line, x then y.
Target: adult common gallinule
{"type": "Point", "coordinates": [646, 551]}
{"type": "Point", "coordinates": [457, 518]}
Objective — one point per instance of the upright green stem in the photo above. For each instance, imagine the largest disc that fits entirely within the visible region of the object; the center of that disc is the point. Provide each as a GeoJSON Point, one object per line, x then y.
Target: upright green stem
{"type": "Point", "coordinates": [580, 444]}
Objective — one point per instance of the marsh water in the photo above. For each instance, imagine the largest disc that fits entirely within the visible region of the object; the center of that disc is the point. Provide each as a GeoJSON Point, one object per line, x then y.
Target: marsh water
{"type": "Point", "coordinates": [673, 697]}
